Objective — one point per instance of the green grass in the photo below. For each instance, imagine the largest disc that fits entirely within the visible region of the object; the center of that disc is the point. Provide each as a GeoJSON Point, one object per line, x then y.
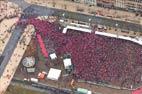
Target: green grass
{"type": "Point", "coordinates": [19, 90]}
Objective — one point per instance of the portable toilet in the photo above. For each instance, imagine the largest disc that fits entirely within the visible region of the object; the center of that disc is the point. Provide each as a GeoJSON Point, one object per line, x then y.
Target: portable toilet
{"type": "Point", "coordinates": [83, 91]}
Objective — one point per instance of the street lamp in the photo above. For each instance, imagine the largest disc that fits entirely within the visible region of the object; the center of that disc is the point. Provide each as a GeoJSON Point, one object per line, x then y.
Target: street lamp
{"type": "Point", "coordinates": [90, 21]}
{"type": "Point", "coordinates": [63, 15]}
{"type": "Point", "coordinates": [116, 26]}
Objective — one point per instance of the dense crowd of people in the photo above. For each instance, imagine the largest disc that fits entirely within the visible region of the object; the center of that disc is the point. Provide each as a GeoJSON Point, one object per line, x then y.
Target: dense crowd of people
{"type": "Point", "coordinates": [95, 58]}
{"type": "Point", "coordinates": [8, 10]}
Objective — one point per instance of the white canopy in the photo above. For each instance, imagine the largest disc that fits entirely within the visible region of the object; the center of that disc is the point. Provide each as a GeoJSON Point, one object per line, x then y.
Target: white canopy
{"type": "Point", "coordinates": [67, 62]}
{"type": "Point", "coordinates": [28, 61]}
{"type": "Point", "coordinates": [89, 92]}
{"type": "Point", "coordinates": [53, 56]}
{"type": "Point", "coordinates": [78, 27]}
{"type": "Point", "coordinates": [30, 70]}
{"type": "Point", "coordinates": [54, 74]}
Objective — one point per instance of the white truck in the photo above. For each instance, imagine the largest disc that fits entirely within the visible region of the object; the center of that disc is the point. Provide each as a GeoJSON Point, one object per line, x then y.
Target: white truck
{"type": "Point", "coordinates": [35, 80]}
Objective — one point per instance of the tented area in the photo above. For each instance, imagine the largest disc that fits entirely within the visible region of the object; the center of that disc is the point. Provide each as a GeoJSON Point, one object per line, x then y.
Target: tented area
{"type": "Point", "coordinates": [28, 62]}
{"type": "Point", "coordinates": [78, 28]}
{"type": "Point", "coordinates": [54, 74]}
{"type": "Point", "coordinates": [95, 58]}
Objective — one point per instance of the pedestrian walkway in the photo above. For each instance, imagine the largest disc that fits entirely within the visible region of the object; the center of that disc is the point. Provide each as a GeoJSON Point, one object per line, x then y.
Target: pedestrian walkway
{"type": "Point", "coordinates": [15, 59]}
{"type": "Point", "coordinates": [8, 9]}
{"type": "Point", "coordinates": [5, 32]}
{"type": "Point", "coordinates": [85, 9]}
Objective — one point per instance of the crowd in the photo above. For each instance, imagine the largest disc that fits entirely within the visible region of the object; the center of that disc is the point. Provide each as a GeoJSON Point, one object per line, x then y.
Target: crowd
{"type": "Point", "coordinates": [8, 10]}
{"type": "Point", "coordinates": [96, 58]}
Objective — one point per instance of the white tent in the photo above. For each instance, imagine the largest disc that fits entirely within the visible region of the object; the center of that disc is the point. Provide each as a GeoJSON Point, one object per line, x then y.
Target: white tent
{"type": "Point", "coordinates": [67, 63]}
{"type": "Point", "coordinates": [30, 70]}
{"type": "Point", "coordinates": [79, 27]}
{"type": "Point", "coordinates": [54, 74]}
{"type": "Point", "coordinates": [28, 62]}
{"type": "Point", "coordinates": [89, 92]}
{"type": "Point", "coordinates": [53, 56]}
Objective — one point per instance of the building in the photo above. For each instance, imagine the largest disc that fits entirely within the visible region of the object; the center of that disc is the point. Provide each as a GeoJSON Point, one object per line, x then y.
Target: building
{"type": "Point", "coordinates": [134, 5]}
{"type": "Point", "coordinates": [89, 2]}
{"type": "Point", "coordinates": [120, 3]}
{"type": "Point", "coordinates": [106, 3]}
{"type": "Point", "coordinates": [28, 62]}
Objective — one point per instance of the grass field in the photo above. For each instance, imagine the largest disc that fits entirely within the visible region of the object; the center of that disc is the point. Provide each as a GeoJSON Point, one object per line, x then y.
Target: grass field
{"type": "Point", "coordinates": [19, 90]}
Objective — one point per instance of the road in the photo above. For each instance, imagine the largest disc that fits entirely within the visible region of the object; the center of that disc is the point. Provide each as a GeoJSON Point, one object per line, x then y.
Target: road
{"type": "Point", "coordinates": [100, 20]}
{"type": "Point", "coordinates": [41, 10]}
{"type": "Point", "coordinates": [41, 87]}
{"type": "Point", "coordinates": [16, 57]}
{"type": "Point", "coordinates": [13, 39]}
{"type": "Point", "coordinates": [23, 5]}
{"type": "Point", "coordinates": [10, 48]}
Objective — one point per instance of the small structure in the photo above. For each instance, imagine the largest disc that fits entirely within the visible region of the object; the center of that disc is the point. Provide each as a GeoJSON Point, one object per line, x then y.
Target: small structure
{"type": "Point", "coordinates": [42, 75]}
{"type": "Point", "coordinates": [54, 74]}
{"type": "Point", "coordinates": [34, 80]}
{"type": "Point", "coordinates": [78, 27]}
{"type": "Point", "coordinates": [28, 62]}
{"type": "Point", "coordinates": [53, 56]}
{"type": "Point", "coordinates": [67, 63]}
{"type": "Point", "coordinates": [82, 91]}
{"type": "Point", "coordinates": [30, 70]}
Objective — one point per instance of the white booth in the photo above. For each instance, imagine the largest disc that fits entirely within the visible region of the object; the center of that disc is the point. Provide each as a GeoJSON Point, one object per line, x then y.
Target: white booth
{"type": "Point", "coordinates": [67, 63]}
{"type": "Point", "coordinates": [54, 74]}
{"type": "Point", "coordinates": [53, 56]}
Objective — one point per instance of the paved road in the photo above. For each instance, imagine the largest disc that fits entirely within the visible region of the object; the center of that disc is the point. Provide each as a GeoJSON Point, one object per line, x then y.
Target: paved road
{"type": "Point", "coordinates": [40, 87]}
{"type": "Point", "coordinates": [17, 32]}
{"type": "Point", "coordinates": [41, 10]}
{"type": "Point", "coordinates": [13, 39]}
{"type": "Point", "coordinates": [103, 21]}
{"type": "Point", "coordinates": [21, 3]}
{"type": "Point", "coordinates": [10, 47]}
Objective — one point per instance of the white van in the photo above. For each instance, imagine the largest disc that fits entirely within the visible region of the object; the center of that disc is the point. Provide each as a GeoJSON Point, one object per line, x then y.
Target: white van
{"type": "Point", "coordinates": [34, 80]}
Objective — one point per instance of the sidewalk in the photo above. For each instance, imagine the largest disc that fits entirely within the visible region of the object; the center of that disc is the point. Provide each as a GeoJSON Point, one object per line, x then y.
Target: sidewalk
{"type": "Point", "coordinates": [15, 59]}
{"type": "Point", "coordinates": [6, 26]}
